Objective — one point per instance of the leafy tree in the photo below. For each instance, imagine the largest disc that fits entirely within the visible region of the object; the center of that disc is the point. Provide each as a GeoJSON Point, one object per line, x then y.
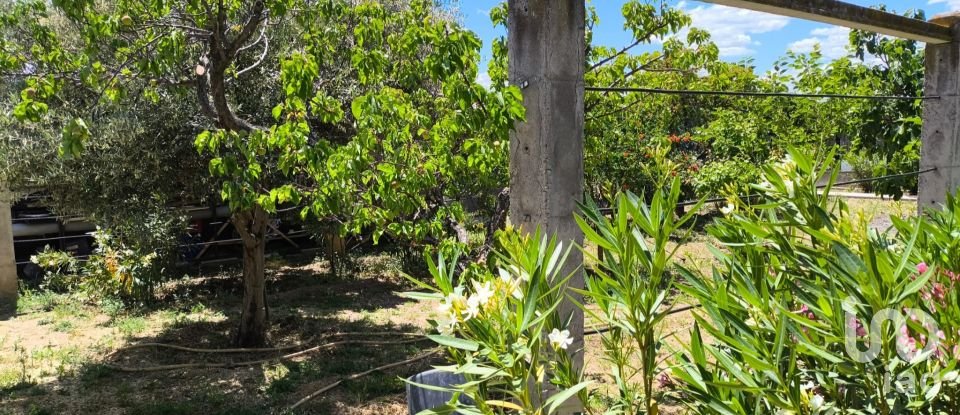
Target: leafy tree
{"type": "Point", "coordinates": [366, 114]}
{"type": "Point", "coordinates": [891, 128]}
{"type": "Point", "coordinates": [882, 135]}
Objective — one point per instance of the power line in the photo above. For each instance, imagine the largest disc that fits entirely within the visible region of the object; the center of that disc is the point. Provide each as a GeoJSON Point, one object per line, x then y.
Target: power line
{"type": "Point", "coordinates": [755, 94]}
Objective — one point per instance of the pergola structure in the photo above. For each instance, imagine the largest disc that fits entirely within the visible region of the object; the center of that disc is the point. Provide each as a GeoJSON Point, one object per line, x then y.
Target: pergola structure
{"type": "Point", "coordinates": [546, 56]}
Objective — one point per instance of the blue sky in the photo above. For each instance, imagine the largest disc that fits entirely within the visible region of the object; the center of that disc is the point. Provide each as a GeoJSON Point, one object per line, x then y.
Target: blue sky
{"type": "Point", "coordinates": [740, 34]}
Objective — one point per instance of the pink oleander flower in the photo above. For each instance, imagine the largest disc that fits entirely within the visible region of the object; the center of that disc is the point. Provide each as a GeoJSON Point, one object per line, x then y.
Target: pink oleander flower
{"type": "Point", "coordinates": [805, 311]}
{"type": "Point", "coordinates": [854, 323]}
{"type": "Point", "coordinates": [908, 345]}
{"type": "Point", "coordinates": [939, 292]}
{"type": "Point", "coordinates": [922, 267]}
{"type": "Point", "coordinates": [665, 381]}
{"type": "Point", "coordinates": [936, 293]}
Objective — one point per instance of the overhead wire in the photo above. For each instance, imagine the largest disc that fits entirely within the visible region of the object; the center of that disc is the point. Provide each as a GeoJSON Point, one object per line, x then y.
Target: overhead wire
{"type": "Point", "coordinates": [756, 93]}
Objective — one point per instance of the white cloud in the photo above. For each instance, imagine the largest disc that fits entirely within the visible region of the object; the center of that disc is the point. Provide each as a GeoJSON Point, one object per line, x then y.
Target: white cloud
{"type": "Point", "coordinates": [733, 29]}
{"type": "Point", "coordinates": [952, 4]}
{"type": "Point", "coordinates": [833, 42]}
{"type": "Point", "coordinates": [483, 78]}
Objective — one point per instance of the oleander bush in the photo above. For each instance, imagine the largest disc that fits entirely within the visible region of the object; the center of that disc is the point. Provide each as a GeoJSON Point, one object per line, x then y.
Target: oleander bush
{"type": "Point", "coordinates": [507, 332]}
{"type": "Point", "coordinates": [504, 328]}
{"type": "Point", "coordinates": [806, 310]}
{"type": "Point", "coordinates": [809, 310]}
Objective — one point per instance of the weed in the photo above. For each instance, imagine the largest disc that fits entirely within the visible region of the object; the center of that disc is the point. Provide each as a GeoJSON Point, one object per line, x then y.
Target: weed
{"type": "Point", "coordinates": [62, 360]}
{"type": "Point", "coordinates": [63, 326]}
{"type": "Point", "coordinates": [35, 301]}
{"type": "Point", "coordinates": [112, 307]}
{"type": "Point", "coordinates": [71, 308]}
{"type": "Point", "coordinates": [279, 380]}
{"type": "Point", "coordinates": [131, 326]}
{"type": "Point", "coordinates": [198, 308]}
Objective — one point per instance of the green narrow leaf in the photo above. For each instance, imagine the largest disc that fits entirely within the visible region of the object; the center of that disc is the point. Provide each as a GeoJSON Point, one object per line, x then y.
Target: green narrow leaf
{"type": "Point", "coordinates": [455, 342]}
{"type": "Point", "coordinates": [556, 400]}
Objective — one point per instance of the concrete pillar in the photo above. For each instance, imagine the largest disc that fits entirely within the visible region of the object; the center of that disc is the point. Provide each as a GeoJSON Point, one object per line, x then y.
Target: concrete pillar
{"type": "Point", "coordinates": [546, 60]}
{"type": "Point", "coordinates": [8, 265]}
{"type": "Point", "coordinates": [941, 118]}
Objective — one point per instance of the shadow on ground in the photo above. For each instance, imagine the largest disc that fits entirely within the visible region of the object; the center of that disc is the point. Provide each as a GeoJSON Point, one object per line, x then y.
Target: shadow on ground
{"type": "Point", "coordinates": [308, 307]}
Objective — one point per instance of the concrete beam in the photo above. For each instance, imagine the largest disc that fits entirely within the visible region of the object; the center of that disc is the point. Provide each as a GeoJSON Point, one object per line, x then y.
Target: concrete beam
{"type": "Point", "coordinates": [940, 138]}
{"type": "Point", "coordinates": [849, 15]}
{"type": "Point", "coordinates": [546, 60]}
{"type": "Point", "coordinates": [8, 265]}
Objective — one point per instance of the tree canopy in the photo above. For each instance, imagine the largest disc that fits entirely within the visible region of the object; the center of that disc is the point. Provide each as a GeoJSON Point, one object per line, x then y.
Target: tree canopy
{"type": "Point", "coordinates": [367, 116]}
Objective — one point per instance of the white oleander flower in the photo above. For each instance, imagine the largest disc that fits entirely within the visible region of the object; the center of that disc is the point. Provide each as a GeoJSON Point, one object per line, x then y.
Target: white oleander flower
{"type": "Point", "coordinates": [504, 275]}
{"type": "Point", "coordinates": [560, 339]}
{"type": "Point", "coordinates": [816, 402]}
{"type": "Point", "coordinates": [452, 302]}
{"type": "Point", "coordinates": [483, 292]}
{"type": "Point", "coordinates": [473, 308]}
{"type": "Point", "coordinates": [728, 209]}
{"type": "Point", "coordinates": [447, 327]}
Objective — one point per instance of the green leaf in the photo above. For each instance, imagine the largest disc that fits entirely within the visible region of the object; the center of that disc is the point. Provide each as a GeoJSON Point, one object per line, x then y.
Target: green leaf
{"type": "Point", "coordinates": [555, 401]}
{"type": "Point", "coordinates": [455, 342]}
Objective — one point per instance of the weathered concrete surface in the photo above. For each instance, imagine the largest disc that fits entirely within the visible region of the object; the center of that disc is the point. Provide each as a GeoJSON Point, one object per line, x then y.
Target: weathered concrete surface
{"type": "Point", "coordinates": [546, 55]}
{"type": "Point", "coordinates": [848, 15]}
{"type": "Point", "coordinates": [941, 120]}
{"type": "Point", "coordinates": [8, 266]}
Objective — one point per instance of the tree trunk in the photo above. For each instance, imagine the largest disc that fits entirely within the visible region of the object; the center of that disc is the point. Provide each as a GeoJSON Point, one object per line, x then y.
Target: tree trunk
{"type": "Point", "coordinates": [252, 226]}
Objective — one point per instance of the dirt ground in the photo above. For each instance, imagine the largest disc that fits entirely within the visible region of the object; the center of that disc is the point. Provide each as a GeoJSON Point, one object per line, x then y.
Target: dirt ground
{"type": "Point", "coordinates": [60, 355]}
{"type": "Point", "coordinates": [56, 357]}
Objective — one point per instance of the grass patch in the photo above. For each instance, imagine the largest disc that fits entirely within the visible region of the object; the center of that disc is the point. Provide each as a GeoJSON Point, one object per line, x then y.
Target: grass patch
{"type": "Point", "coordinates": [63, 326]}
{"type": "Point", "coordinates": [131, 326]}
{"type": "Point", "coordinates": [59, 361]}
{"type": "Point", "coordinates": [37, 301]}
{"type": "Point", "coordinates": [70, 308]}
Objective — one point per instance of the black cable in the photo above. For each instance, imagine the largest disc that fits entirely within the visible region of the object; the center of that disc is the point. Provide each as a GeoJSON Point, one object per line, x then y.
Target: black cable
{"type": "Point", "coordinates": [892, 176]}
{"type": "Point", "coordinates": [756, 94]}
{"type": "Point", "coordinates": [616, 111]}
